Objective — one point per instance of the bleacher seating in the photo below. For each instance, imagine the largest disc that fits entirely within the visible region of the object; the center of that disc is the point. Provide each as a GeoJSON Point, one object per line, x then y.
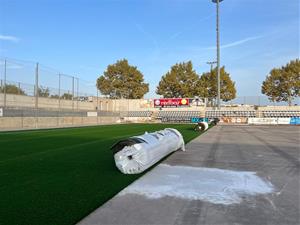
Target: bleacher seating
{"type": "Point", "coordinates": [177, 116]}
{"type": "Point", "coordinates": [189, 114]}
{"type": "Point", "coordinates": [136, 114]}
{"type": "Point", "coordinates": [185, 116]}
{"type": "Point", "coordinates": [139, 114]}
{"type": "Point", "coordinates": [281, 114]}
{"type": "Point", "coordinates": [108, 113]}
{"type": "Point", "coordinates": [229, 113]}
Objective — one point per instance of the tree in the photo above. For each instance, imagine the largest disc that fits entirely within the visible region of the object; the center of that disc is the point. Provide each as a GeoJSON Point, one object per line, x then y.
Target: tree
{"type": "Point", "coordinates": [121, 80]}
{"type": "Point", "coordinates": [54, 96]}
{"type": "Point", "coordinates": [208, 86]}
{"type": "Point", "coordinates": [283, 84]}
{"type": "Point", "coordinates": [179, 82]}
{"type": "Point", "coordinates": [12, 89]}
{"type": "Point", "coordinates": [43, 92]}
{"type": "Point", "coordinates": [67, 96]}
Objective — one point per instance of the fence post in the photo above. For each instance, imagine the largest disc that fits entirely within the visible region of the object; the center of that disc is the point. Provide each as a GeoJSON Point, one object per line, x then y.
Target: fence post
{"type": "Point", "coordinates": [59, 75]}
{"type": "Point", "coordinates": [97, 106]}
{"type": "Point", "coordinates": [77, 95]}
{"type": "Point", "coordinates": [58, 115]}
{"type": "Point", "coordinates": [36, 85]}
{"type": "Point", "coordinates": [22, 118]}
{"type": "Point", "coordinates": [128, 106]}
{"type": "Point", "coordinates": [72, 100]}
{"type": "Point", "coordinates": [73, 93]}
{"type": "Point", "coordinates": [4, 89]}
{"type": "Point", "coordinates": [36, 93]}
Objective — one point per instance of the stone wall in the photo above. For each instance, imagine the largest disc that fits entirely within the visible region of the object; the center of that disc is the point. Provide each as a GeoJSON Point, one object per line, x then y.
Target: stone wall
{"type": "Point", "coordinates": [8, 123]}
{"type": "Point", "coordinates": [110, 105]}
{"type": "Point", "coordinates": [45, 103]}
{"type": "Point", "coordinates": [116, 105]}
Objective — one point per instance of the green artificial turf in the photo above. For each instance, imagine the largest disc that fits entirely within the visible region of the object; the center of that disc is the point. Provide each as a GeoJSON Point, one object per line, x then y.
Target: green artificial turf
{"type": "Point", "coordinates": [59, 176]}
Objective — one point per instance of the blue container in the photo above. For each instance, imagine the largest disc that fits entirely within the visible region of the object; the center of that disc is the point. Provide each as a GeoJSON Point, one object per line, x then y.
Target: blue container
{"type": "Point", "coordinates": [295, 121]}
{"type": "Point", "coordinates": [198, 119]}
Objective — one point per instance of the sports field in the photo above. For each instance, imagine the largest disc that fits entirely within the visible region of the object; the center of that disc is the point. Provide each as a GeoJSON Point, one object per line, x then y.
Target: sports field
{"type": "Point", "coordinates": [59, 176]}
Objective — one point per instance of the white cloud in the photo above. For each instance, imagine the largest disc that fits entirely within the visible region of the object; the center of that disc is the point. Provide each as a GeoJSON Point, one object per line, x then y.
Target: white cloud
{"type": "Point", "coordinates": [236, 43]}
{"type": "Point", "coordinates": [9, 38]}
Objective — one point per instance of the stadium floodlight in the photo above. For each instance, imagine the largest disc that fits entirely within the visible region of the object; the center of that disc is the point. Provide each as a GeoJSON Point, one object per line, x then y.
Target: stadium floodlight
{"type": "Point", "coordinates": [136, 154]}
{"type": "Point", "coordinates": [218, 51]}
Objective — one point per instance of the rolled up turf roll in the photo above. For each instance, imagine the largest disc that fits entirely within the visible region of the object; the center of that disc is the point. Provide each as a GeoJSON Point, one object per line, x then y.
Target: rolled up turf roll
{"type": "Point", "coordinates": [136, 154]}
{"type": "Point", "coordinates": [214, 121]}
{"type": "Point", "coordinates": [202, 126]}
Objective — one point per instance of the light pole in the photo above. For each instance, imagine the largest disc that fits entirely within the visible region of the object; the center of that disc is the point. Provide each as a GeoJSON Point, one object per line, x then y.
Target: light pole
{"type": "Point", "coordinates": [211, 72]}
{"type": "Point", "coordinates": [211, 65]}
{"type": "Point", "coordinates": [218, 51]}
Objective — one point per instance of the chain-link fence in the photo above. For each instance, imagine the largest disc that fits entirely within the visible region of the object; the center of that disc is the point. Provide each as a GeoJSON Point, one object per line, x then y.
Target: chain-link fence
{"type": "Point", "coordinates": [30, 90]}
{"type": "Point", "coordinates": [28, 84]}
{"type": "Point", "coordinates": [258, 101]}
{"type": "Point", "coordinates": [33, 95]}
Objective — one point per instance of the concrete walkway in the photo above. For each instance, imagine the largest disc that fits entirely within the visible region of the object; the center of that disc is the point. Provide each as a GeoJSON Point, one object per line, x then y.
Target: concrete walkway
{"type": "Point", "coordinates": [272, 152]}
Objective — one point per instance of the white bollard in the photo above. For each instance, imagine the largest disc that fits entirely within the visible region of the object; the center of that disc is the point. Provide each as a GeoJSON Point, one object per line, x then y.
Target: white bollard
{"type": "Point", "coordinates": [136, 154]}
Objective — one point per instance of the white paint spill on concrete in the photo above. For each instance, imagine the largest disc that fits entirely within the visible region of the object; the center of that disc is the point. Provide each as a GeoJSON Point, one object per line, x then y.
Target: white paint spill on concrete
{"type": "Point", "coordinates": [196, 183]}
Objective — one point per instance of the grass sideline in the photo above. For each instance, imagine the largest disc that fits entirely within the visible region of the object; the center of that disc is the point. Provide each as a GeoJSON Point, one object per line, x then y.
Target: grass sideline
{"type": "Point", "coordinates": [59, 176]}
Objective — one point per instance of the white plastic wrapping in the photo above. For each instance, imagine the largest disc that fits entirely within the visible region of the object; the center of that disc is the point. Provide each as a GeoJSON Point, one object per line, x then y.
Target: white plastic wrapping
{"type": "Point", "coordinates": [205, 125]}
{"type": "Point", "coordinates": [138, 153]}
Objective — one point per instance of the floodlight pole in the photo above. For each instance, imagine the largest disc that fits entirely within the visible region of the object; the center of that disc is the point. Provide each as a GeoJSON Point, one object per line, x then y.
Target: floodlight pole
{"type": "Point", "coordinates": [211, 66]}
{"type": "Point", "coordinates": [218, 52]}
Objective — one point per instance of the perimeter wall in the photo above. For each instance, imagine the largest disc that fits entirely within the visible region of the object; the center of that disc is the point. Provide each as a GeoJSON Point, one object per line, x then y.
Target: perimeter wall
{"type": "Point", "coordinates": [28, 112]}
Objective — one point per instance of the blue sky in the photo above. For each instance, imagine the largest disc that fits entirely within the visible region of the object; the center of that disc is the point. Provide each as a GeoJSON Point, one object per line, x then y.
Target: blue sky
{"type": "Point", "coordinates": [82, 37]}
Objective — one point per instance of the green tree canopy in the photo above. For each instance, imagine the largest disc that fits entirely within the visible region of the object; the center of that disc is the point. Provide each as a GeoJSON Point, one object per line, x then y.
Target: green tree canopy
{"type": "Point", "coordinates": [54, 96]}
{"type": "Point", "coordinates": [283, 84]}
{"type": "Point", "coordinates": [179, 82]}
{"type": "Point", "coordinates": [12, 89]}
{"type": "Point", "coordinates": [207, 85]}
{"type": "Point", "coordinates": [43, 92]}
{"type": "Point", "coordinates": [121, 80]}
{"type": "Point", "coordinates": [67, 96]}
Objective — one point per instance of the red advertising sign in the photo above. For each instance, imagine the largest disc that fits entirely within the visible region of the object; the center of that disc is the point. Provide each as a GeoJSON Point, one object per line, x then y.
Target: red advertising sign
{"type": "Point", "coordinates": [171, 102]}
